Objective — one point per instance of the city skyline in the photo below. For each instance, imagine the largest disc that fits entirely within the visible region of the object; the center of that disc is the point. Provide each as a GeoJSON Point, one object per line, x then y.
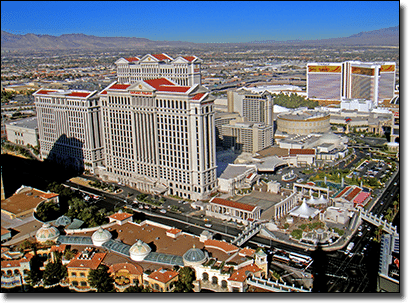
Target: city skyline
{"type": "Point", "coordinates": [201, 22]}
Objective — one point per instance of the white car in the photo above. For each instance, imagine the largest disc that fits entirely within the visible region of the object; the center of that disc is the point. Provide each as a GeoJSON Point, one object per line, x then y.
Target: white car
{"type": "Point", "coordinates": [163, 211]}
{"type": "Point", "coordinates": [208, 225]}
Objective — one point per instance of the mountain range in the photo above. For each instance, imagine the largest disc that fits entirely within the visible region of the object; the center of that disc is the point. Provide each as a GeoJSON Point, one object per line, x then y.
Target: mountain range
{"type": "Point", "coordinates": [382, 37]}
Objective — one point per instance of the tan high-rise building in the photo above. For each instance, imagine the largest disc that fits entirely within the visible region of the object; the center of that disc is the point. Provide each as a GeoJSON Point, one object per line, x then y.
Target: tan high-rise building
{"type": "Point", "coordinates": [159, 137]}
{"type": "Point", "coordinates": [69, 127]}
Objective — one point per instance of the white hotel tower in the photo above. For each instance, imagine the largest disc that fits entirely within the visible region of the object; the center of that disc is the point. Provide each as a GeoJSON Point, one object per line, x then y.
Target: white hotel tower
{"type": "Point", "coordinates": [69, 125]}
{"type": "Point", "coordinates": [159, 137]}
{"type": "Point", "coordinates": [184, 70]}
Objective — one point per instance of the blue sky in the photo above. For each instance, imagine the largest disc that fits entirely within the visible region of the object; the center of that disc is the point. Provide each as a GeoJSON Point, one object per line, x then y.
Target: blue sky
{"type": "Point", "coordinates": [200, 21]}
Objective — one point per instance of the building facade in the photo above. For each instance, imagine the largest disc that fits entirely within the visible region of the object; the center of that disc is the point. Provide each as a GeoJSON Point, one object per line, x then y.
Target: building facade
{"type": "Point", "coordinates": [374, 81]}
{"type": "Point", "coordinates": [160, 137]}
{"type": "Point", "coordinates": [248, 137]}
{"type": "Point", "coordinates": [303, 122]}
{"type": "Point", "coordinates": [324, 81]}
{"type": "Point", "coordinates": [69, 124]}
{"type": "Point", "coordinates": [231, 210]}
{"type": "Point", "coordinates": [184, 70]}
{"type": "Point", "coordinates": [23, 132]}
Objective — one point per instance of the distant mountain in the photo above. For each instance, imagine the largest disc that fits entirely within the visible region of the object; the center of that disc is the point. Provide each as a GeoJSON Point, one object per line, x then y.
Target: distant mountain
{"type": "Point", "coordinates": [386, 36]}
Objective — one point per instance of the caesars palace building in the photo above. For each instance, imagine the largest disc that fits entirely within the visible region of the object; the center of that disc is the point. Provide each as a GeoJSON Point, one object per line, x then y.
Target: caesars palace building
{"type": "Point", "coordinates": [159, 137]}
{"type": "Point", "coordinates": [151, 133]}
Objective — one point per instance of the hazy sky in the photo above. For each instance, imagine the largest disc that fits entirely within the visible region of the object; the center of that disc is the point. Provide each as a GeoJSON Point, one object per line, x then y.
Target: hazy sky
{"type": "Point", "coordinates": [200, 21]}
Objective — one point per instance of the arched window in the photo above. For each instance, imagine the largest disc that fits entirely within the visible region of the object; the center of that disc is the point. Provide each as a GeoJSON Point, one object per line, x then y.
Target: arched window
{"type": "Point", "coordinates": [205, 276]}
{"type": "Point", "coordinates": [9, 272]}
{"type": "Point", "coordinates": [83, 283]}
{"type": "Point", "coordinates": [17, 272]}
{"type": "Point", "coordinates": [224, 284]}
{"type": "Point", "coordinates": [214, 280]}
{"type": "Point", "coordinates": [75, 283]}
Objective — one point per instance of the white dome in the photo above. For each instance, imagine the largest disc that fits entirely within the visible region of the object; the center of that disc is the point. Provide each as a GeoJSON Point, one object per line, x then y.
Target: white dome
{"type": "Point", "coordinates": [139, 250]}
{"type": "Point", "coordinates": [100, 236]}
{"type": "Point", "coordinates": [330, 138]}
{"type": "Point", "coordinates": [47, 233]}
{"type": "Point", "coordinates": [194, 256]}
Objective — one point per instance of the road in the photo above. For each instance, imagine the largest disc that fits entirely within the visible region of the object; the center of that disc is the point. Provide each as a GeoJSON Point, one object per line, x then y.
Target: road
{"type": "Point", "coordinates": [345, 273]}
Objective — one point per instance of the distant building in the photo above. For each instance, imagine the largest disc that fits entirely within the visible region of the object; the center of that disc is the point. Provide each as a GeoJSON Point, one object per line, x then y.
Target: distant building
{"type": "Point", "coordinates": [14, 272]}
{"type": "Point", "coordinates": [360, 105]}
{"type": "Point", "coordinates": [244, 136]}
{"type": "Point", "coordinates": [303, 122]}
{"type": "Point", "coordinates": [23, 132]}
{"type": "Point", "coordinates": [374, 81]}
{"type": "Point", "coordinates": [183, 70]}
{"type": "Point", "coordinates": [395, 126]}
{"type": "Point", "coordinates": [324, 81]}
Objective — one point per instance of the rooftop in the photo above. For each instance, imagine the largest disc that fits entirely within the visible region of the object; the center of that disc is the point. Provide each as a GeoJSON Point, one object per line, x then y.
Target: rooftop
{"type": "Point", "coordinates": [30, 123]}
{"type": "Point", "coordinates": [232, 204]}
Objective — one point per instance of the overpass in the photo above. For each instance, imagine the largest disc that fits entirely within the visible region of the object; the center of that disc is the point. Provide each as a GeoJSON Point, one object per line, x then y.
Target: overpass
{"type": "Point", "coordinates": [247, 233]}
{"type": "Point", "coordinates": [377, 221]}
{"type": "Point", "coordinates": [274, 286]}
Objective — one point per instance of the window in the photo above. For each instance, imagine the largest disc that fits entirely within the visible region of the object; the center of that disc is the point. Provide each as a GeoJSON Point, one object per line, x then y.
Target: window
{"type": "Point", "coordinates": [83, 283]}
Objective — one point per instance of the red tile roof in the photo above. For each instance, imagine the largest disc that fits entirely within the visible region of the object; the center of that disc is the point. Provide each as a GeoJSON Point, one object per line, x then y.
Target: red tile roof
{"type": "Point", "coordinates": [104, 92]}
{"type": "Point", "coordinates": [16, 263]}
{"type": "Point", "coordinates": [198, 96]}
{"type": "Point", "coordinates": [360, 198]}
{"type": "Point", "coordinates": [221, 245]}
{"type": "Point", "coordinates": [120, 216]}
{"type": "Point", "coordinates": [49, 195]}
{"type": "Point", "coordinates": [343, 192]}
{"type": "Point", "coordinates": [120, 86]}
{"type": "Point", "coordinates": [134, 269]}
{"type": "Point", "coordinates": [162, 57]}
{"type": "Point", "coordinates": [162, 275]}
{"type": "Point", "coordinates": [45, 92]}
{"type": "Point", "coordinates": [79, 94]}
{"type": "Point", "coordinates": [60, 248]}
{"type": "Point", "coordinates": [85, 263]}
{"type": "Point", "coordinates": [132, 59]}
{"type": "Point", "coordinates": [240, 274]}
{"type": "Point", "coordinates": [165, 85]}
{"type": "Point", "coordinates": [173, 231]}
{"type": "Point", "coordinates": [247, 252]}
{"type": "Point", "coordinates": [353, 193]}
{"type": "Point", "coordinates": [189, 58]}
{"type": "Point", "coordinates": [233, 204]}
{"type": "Point", "coordinates": [299, 151]}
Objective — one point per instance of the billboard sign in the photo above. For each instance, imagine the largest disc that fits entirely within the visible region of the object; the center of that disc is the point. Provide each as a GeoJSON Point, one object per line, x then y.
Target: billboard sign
{"type": "Point", "coordinates": [324, 69]}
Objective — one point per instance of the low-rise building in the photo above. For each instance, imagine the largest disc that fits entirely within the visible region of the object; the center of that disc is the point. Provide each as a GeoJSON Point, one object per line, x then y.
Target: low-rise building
{"type": "Point", "coordinates": [246, 136]}
{"type": "Point", "coordinates": [25, 201]}
{"type": "Point", "coordinates": [161, 280]}
{"type": "Point", "coordinates": [231, 210]}
{"type": "Point", "coordinates": [79, 267]}
{"type": "Point", "coordinates": [23, 132]}
{"type": "Point", "coordinates": [236, 177]}
{"type": "Point", "coordinates": [13, 272]}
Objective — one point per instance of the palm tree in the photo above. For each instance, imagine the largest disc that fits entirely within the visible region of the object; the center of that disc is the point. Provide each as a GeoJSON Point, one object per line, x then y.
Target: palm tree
{"type": "Point", "coordinates": [389, 215]}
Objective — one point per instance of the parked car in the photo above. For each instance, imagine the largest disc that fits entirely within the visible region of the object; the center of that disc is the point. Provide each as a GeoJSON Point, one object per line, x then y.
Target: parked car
{"type": "Point", "coordinates": [163, 211]}
{"type": "Point", "coordinates": [208, 225]}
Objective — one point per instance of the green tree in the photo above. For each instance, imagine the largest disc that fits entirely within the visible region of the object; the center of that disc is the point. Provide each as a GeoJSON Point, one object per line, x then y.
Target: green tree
{"type": "Point", "coordinates": [48, 211]}
{"type": "Point", "coordinates": [54, 273]}
{"type": "Point", "coordinates": [101, 280]}
{"type": "Point", "coordinates": [186, 277]}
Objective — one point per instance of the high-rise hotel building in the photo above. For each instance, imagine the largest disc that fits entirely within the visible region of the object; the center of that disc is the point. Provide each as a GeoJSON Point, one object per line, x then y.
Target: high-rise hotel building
{"type": "Point", "coordinates": [159, 137]}
{"type": "Point", "coordinates": [374, 81]}
{"type": "Point", "coordinates": [183, 70]}
{"type": "Point", "coordinates": [324, 81]}
{"type": "Point", "coordinates": [69, 125]}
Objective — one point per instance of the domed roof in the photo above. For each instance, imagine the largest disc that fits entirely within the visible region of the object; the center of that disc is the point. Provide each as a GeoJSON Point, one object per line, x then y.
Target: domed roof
{"type": "Point", "coordinates": [100, 236]}
{"type": "Point", "coordinates": [63, 220]}
{"type": "Point", "coordinates": [47, 233]}
{"type": "Point", "coordinates": [194, 255]}
{"type": "Point", "coordinates": [330, 137]}
{"type": "Point", "coordinates": [139, 250]}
